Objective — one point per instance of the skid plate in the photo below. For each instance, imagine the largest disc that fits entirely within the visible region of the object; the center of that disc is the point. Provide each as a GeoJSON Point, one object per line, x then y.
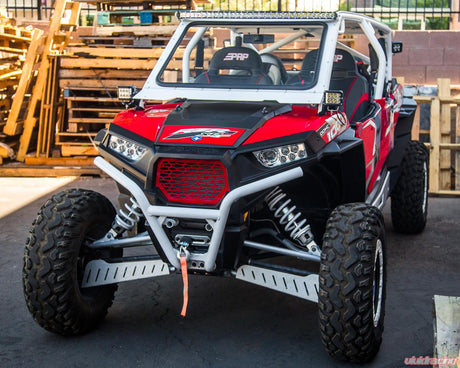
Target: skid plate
{"type": "Point", "coordinates": [305, 287]}
{"type": "Point", "coordinates": [99, 272]}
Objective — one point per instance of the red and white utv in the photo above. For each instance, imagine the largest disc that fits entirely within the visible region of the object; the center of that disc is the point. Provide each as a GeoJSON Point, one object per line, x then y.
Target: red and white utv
{"type": "Point", "coordinates": [270, 162]}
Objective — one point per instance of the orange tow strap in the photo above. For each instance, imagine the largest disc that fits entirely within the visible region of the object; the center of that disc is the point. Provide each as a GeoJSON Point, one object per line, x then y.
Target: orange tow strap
{"type": "Point", "coordinates": [183, 266]}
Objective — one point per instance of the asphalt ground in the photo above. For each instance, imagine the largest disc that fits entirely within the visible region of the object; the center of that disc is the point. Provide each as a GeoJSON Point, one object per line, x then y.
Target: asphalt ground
{"type": "Point", "coordinates": [230, 323]}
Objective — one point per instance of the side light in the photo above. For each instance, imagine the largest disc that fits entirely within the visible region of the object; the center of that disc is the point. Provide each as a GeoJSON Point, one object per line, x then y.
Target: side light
{"type": "Point", "coordinates": [332, 102]}
{"type": "Point", "coordinates": [126, 93]}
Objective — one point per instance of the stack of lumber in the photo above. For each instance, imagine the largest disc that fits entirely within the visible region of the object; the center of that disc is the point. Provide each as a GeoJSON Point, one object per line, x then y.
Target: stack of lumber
{"type": "Point", "coordinates": [14, 42]}
{"type": "Point", "coordinates": [36, 100]}
{"type": "Point", "coordinates": [89, 77]}
{"type": "Point", "coordinates": [68, 85]}
{"type": "Point", "coordinates": [117, 53]}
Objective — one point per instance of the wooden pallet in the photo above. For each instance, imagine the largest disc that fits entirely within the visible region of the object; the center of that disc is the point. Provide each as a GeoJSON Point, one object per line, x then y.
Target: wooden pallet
{"type": "Point", "coordinates": [125, 41]}
{"type": "Point", "coordinates": [89, 77]}
{"type": "Point", "coordinates": [89, 109]}
{"type": "Point", "coordinates": [17, 113]}
{"type": "Point", "coordinates": [44, 97]}
{"type": "Point", "coordinates": [52, 170]}
{"type": "Point", "coordinates": [14, 42]}
{"type": "Point", "coordinates": [444, 139]}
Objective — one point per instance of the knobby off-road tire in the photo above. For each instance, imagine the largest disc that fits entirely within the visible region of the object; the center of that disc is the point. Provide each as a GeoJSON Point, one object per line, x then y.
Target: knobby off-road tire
{"type": "Point", "coordinates": [352, 283]}
{"type": "Point", "coordinates": [409, 198]}
{"type": "Point", "coordinates": [54, 261]}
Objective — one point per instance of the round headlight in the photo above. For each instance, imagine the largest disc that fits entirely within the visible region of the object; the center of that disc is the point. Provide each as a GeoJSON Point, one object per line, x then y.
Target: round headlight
{"type": "Point", "coordinates": [269, 157]}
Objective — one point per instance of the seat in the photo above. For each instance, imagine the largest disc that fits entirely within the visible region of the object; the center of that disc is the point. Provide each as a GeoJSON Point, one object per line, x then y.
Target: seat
{"type": "Point", "coordinates": [307, 71]}
{"type": "Point", "coordinates": [244, 64]}
{"type": "Point", "coordinates": [355, 86]}
{"type": "Point", "coordinates": [274, 68]}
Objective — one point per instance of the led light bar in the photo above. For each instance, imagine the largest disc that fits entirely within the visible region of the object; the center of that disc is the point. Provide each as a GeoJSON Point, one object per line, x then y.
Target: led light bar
{"type": "Point", "coordinates": [196, 14]}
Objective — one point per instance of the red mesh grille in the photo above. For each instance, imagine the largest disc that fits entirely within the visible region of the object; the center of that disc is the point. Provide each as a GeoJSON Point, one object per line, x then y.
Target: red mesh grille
{"type": "Point", "coordinates": [192, 181]}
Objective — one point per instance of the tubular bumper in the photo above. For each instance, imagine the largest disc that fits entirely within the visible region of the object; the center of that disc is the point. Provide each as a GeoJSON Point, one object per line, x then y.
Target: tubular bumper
{"type": "Point", "coordinates": [216, 217]}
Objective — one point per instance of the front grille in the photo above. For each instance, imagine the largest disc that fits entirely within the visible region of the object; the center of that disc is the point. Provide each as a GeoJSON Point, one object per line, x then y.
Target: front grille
{"type": "Point", "coordinates": [192, 181]}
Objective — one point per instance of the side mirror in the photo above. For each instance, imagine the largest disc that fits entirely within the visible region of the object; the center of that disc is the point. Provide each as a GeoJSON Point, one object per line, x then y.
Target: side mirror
{"type": "Point", "coordinates": [396, 47]}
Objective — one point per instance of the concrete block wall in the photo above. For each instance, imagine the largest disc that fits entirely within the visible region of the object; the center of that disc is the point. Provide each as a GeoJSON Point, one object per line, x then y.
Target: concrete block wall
{"type": "Point", "coordinates": [426, 56]}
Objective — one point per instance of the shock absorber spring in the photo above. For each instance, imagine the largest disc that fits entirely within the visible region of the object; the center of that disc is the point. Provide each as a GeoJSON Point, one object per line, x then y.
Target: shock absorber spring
{"type": "Point", "coordinates": [127, 218]}
{"type": "Point", "coordinates": [297, 227]}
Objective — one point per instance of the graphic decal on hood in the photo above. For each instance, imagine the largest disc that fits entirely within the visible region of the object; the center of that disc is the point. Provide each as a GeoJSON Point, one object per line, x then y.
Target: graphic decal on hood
{"type": "Point", "coordinates": [212, 135]}
{"type": "Point", "coordinates": [196, 134]}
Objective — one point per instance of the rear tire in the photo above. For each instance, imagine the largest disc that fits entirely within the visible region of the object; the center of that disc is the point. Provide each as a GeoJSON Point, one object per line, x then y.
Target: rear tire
{"type": "Point", "coordinates": [351, 296]}
{"type": "Point", "coordinates": [409, 198]}
{"type": "Point", "coordinates": [55, 258]}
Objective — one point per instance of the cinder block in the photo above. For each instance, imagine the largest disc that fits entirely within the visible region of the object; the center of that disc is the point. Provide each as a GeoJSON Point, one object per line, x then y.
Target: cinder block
{"type": "Point", "coordinates": [426, 56]}
{"type": "Point", "coordinates": [452, 56]}
{"type": "Point", "coordinates": [411, 74]}
{"type": "Point", "coordinates": [402, 58]}
{"type": "Point", "coordinates": [412, 39]}
{"type": "Point", "coordinates": [451, 72]}
{"type": "Point", "coordinates": [444, 39]}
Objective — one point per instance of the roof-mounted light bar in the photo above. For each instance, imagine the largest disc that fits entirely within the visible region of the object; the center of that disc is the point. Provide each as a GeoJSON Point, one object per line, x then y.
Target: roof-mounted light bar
{"type": "Point", "coordinates": [197, 14]}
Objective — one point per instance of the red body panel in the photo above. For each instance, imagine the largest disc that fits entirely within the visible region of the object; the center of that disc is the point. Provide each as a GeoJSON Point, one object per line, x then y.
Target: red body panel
{"type": "Point", "coordinates": [367, 131]}
{"type": "Point", "coordinates": [300, 119]}
{"type": "Point", "coordinates": [146, 123]}
{"type": "Point", "coordinates": [149, 123]}
{"type": "Point", "coordinates": [377, 145]}
{"type": "Point", "coordinates": [377, 142]}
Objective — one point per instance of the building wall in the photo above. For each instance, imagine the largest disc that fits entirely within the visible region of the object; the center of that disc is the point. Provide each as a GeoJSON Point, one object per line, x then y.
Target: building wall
{"type": "Point", "coordinates": [426, 56]}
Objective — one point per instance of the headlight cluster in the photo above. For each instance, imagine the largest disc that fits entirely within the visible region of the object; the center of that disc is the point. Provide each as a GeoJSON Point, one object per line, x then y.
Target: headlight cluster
{"type": "Point", "coordinates": [126, 148]}
{"type": "Point", "coordinates": [281, 155]}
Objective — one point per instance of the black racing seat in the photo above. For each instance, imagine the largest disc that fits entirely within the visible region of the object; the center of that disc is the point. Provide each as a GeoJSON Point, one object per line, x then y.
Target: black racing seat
{"type": "Point", "coordinates": [245, 61]}
{"type": "Point", "coordinates": [307, 71]}
{"type": "Point", "coordinates": [274, 68]}
{"type": "Point", "coordinates": [355, 86]}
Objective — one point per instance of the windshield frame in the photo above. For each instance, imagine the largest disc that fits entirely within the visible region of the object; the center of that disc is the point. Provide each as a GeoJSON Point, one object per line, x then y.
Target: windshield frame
{"type": "Point", "coordinates": [209, 24]}
{"type": "Point", "coordinates": [154, 89]}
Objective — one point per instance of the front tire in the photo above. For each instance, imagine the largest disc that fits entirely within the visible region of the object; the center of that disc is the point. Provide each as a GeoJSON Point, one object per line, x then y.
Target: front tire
{"type": "Point", "coordinates": [54, 261]}
{"type": "Point", "coordinates": [351, 296]}
{"type": "Point", "coordinates": [409, 198]}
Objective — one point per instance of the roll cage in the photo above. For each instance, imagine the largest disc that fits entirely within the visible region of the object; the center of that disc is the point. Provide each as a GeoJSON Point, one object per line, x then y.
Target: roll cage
{"type": "Point", "coordinates": [335, 24]}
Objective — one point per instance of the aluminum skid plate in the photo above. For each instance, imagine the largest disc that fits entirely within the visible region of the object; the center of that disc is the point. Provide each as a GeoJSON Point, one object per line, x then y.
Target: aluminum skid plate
{"type": "Point", "coordinates": [305, 287]}
{"type": "Point", "coordinates": [99, 272]}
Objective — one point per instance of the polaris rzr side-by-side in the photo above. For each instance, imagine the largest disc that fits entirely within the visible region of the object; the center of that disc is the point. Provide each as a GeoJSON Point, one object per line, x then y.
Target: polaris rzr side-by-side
{"type": "Point", "coordinates": [276, 148]}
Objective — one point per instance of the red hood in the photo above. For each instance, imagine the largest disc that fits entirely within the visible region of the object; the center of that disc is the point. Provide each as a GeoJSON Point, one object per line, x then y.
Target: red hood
{"type": "Point", "coordinates": [146, 123]}
{"type": "Point", "coordinates": [151, 124]}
